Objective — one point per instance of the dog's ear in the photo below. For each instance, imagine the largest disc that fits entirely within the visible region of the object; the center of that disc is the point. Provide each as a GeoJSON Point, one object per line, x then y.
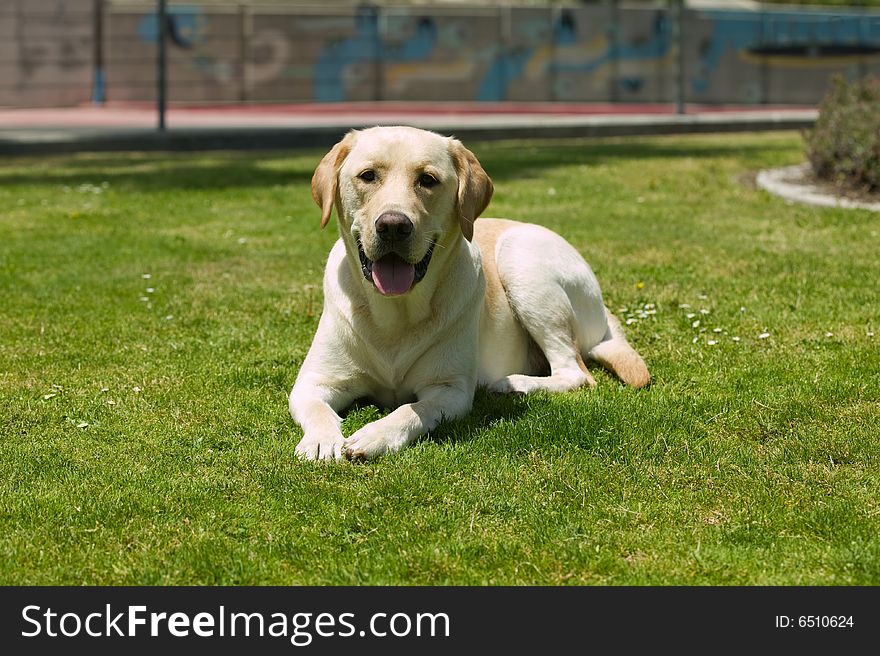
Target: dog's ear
{"type": "Point", "coordinates": [326, 177]}
{"type": "Point", "coordinates": [474, 187]}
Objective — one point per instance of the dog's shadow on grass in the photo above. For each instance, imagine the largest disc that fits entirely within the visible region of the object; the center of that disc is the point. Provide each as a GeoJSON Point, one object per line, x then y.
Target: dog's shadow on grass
{"type": "Point", "coordinates": [548, 421]}
{"type": "Point", "coordinates": [487, 409]}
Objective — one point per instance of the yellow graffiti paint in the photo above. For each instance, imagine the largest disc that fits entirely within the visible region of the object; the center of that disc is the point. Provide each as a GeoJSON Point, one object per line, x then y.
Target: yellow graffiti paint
{"type": "Point", "coordinates": [399, 75]}
{"type": "Point", "coordinates": [807, 63]}
{"type": "Point", "coordinates": [577, 54]}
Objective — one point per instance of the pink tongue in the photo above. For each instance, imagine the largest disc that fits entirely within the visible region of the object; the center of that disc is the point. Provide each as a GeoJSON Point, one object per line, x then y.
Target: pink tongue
{"type": "Point", "coordinates": [393, 275]}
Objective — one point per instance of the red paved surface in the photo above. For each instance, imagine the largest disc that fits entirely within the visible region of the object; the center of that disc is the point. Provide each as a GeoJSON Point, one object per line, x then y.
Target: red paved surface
{"type": "Point", "coordinates": [442, 108]}
{"type": "Point", "coordinates": [115, 115]}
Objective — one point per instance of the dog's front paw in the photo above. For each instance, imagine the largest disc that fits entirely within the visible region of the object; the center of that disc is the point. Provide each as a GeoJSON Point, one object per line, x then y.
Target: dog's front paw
{"type": "Point", "coordinates": [370, 442]}
{"type": "Point", "coordinates": [325, 447]}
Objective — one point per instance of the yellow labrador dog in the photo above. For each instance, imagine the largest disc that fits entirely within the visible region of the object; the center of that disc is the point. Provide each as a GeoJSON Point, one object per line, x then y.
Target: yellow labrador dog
{"type": "Point", "coordinates": [422, 303]}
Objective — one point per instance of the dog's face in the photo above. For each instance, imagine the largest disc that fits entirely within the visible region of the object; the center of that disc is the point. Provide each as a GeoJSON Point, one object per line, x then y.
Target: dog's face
{"type": "Point", "coordinates": [400, 193]}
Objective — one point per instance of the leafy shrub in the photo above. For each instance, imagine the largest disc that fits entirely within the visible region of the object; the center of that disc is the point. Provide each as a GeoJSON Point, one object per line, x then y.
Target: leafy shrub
{"type": "Point", "coordinates": [844, 144]}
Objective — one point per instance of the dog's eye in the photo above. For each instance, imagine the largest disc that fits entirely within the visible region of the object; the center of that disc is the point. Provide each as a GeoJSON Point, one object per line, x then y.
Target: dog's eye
{"type": "Point", "coordinates": [427, 181]}
{"type": "Point", "coordinates": [367, 176]}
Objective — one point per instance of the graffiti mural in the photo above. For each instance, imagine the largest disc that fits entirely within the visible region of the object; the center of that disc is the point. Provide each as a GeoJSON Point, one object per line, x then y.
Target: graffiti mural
{"type": "Point", "coordinates": [504, 53]}
{"type": "Point", "coordinates": [367, 44]}
{"type": "Point", "coordinates": [203, 49]}
{"type": "Point", "coordinates": [778, 56]}
{"type": "Point", "coordinates": [45, 52]}
{"type": "Point", "coordinates": [455, 61]}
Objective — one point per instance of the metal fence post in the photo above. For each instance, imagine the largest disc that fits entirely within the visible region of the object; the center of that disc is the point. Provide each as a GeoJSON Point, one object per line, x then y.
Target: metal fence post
{"type": "Point", "coordinates": [505, 31]}
{"type": "Point", "coordinates": [98, 86]}
{"type": "Point", "coordinates": [614, 34]}
{"type": "Point", "coordinates": [246, 28]}
{"type": "Point", "coordinates": [554, 19]}
{"type": "Point", "coordinates": [375, 16]}
{"type": "Point", "coordinates": [765, 39]}
{"type": "Point", "coordinates": [678, 40]}
{"type": "Point", "coordinates": [161, 64]}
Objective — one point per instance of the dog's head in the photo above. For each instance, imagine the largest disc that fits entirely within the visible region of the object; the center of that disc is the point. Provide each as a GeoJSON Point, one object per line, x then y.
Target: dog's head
{"type": "Point", "coordinates": [399, 193]}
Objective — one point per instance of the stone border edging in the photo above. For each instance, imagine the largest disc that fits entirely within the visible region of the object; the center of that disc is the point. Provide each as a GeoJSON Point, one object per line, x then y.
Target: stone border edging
{"type": "Point", "coordinates": [789, 183]}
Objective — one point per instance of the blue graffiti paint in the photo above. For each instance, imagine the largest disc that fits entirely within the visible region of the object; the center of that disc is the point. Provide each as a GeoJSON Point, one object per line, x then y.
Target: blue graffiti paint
{"type": "Point", "coordinates": [741, 30]}
{"type": "Point", "coordinates": [656, 47]}
{"type": "Point", "coordinates": [509, 66]}
{"type": "Point", "coordinates": [188, 25]}
{"type": "Point", "coordinates": [98, 87]}
{"type": "Point", "coordinates": [504, 70]}
{"type": "Point", "coordinates": [366, 46]}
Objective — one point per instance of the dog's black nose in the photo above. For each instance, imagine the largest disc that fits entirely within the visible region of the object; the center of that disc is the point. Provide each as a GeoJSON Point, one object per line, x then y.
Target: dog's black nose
{"type": "Point", "coordinates": [393, 226]}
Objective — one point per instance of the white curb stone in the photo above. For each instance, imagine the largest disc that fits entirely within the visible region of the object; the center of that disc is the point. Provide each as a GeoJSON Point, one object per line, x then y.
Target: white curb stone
{"type": "Point", "coordinates": [790, 182]}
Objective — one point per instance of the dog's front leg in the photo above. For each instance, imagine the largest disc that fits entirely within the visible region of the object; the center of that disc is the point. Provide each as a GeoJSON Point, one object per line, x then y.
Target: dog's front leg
{"type": "Point", "coordinates": [394, 431]}
{"type": "Point", "coordinates": [314, 407]}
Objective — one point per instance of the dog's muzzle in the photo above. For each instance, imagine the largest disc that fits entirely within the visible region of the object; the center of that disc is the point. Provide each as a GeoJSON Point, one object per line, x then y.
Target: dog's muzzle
{"type": "Point", "coordinates": [391, 274]}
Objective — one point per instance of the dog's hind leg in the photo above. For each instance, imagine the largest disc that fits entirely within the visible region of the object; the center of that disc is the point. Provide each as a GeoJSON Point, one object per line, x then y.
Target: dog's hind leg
{"type": "Point", "coordinates": [553, 335]}
{"type": "Point", "coordinates": [556, 298]}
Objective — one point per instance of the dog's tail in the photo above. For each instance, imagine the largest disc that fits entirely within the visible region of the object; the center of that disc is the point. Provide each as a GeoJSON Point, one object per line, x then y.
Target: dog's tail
{"type": "Point", "coordinates": [615, 354]}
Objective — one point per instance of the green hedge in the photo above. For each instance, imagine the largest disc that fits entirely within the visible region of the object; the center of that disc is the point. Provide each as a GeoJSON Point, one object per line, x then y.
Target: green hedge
{"type": "Point", "coordinates": [844, 145]}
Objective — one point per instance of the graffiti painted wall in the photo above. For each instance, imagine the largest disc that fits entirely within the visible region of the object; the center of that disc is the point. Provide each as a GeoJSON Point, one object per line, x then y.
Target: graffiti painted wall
{"type": "Point", "coordinates": [46, 52]}
{"type": "Point", "coordinates": [776, 56]}
{"type": "Point", "coordinates": [576, 53]}
{"type": "Point", "coordinates": [203, 52]}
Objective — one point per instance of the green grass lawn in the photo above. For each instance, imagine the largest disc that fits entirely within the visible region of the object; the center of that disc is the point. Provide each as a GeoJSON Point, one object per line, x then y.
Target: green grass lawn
{"type": "Point", "coordinates": [156, 308]}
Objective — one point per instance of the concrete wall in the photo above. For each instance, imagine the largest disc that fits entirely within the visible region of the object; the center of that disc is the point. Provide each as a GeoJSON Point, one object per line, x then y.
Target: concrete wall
{"type": "Point", "coordinates": [777, 56]}
{"type": "Point", "coordinates": [46, 52]}
{"type": "Point", "coordinates": [577, 53]}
